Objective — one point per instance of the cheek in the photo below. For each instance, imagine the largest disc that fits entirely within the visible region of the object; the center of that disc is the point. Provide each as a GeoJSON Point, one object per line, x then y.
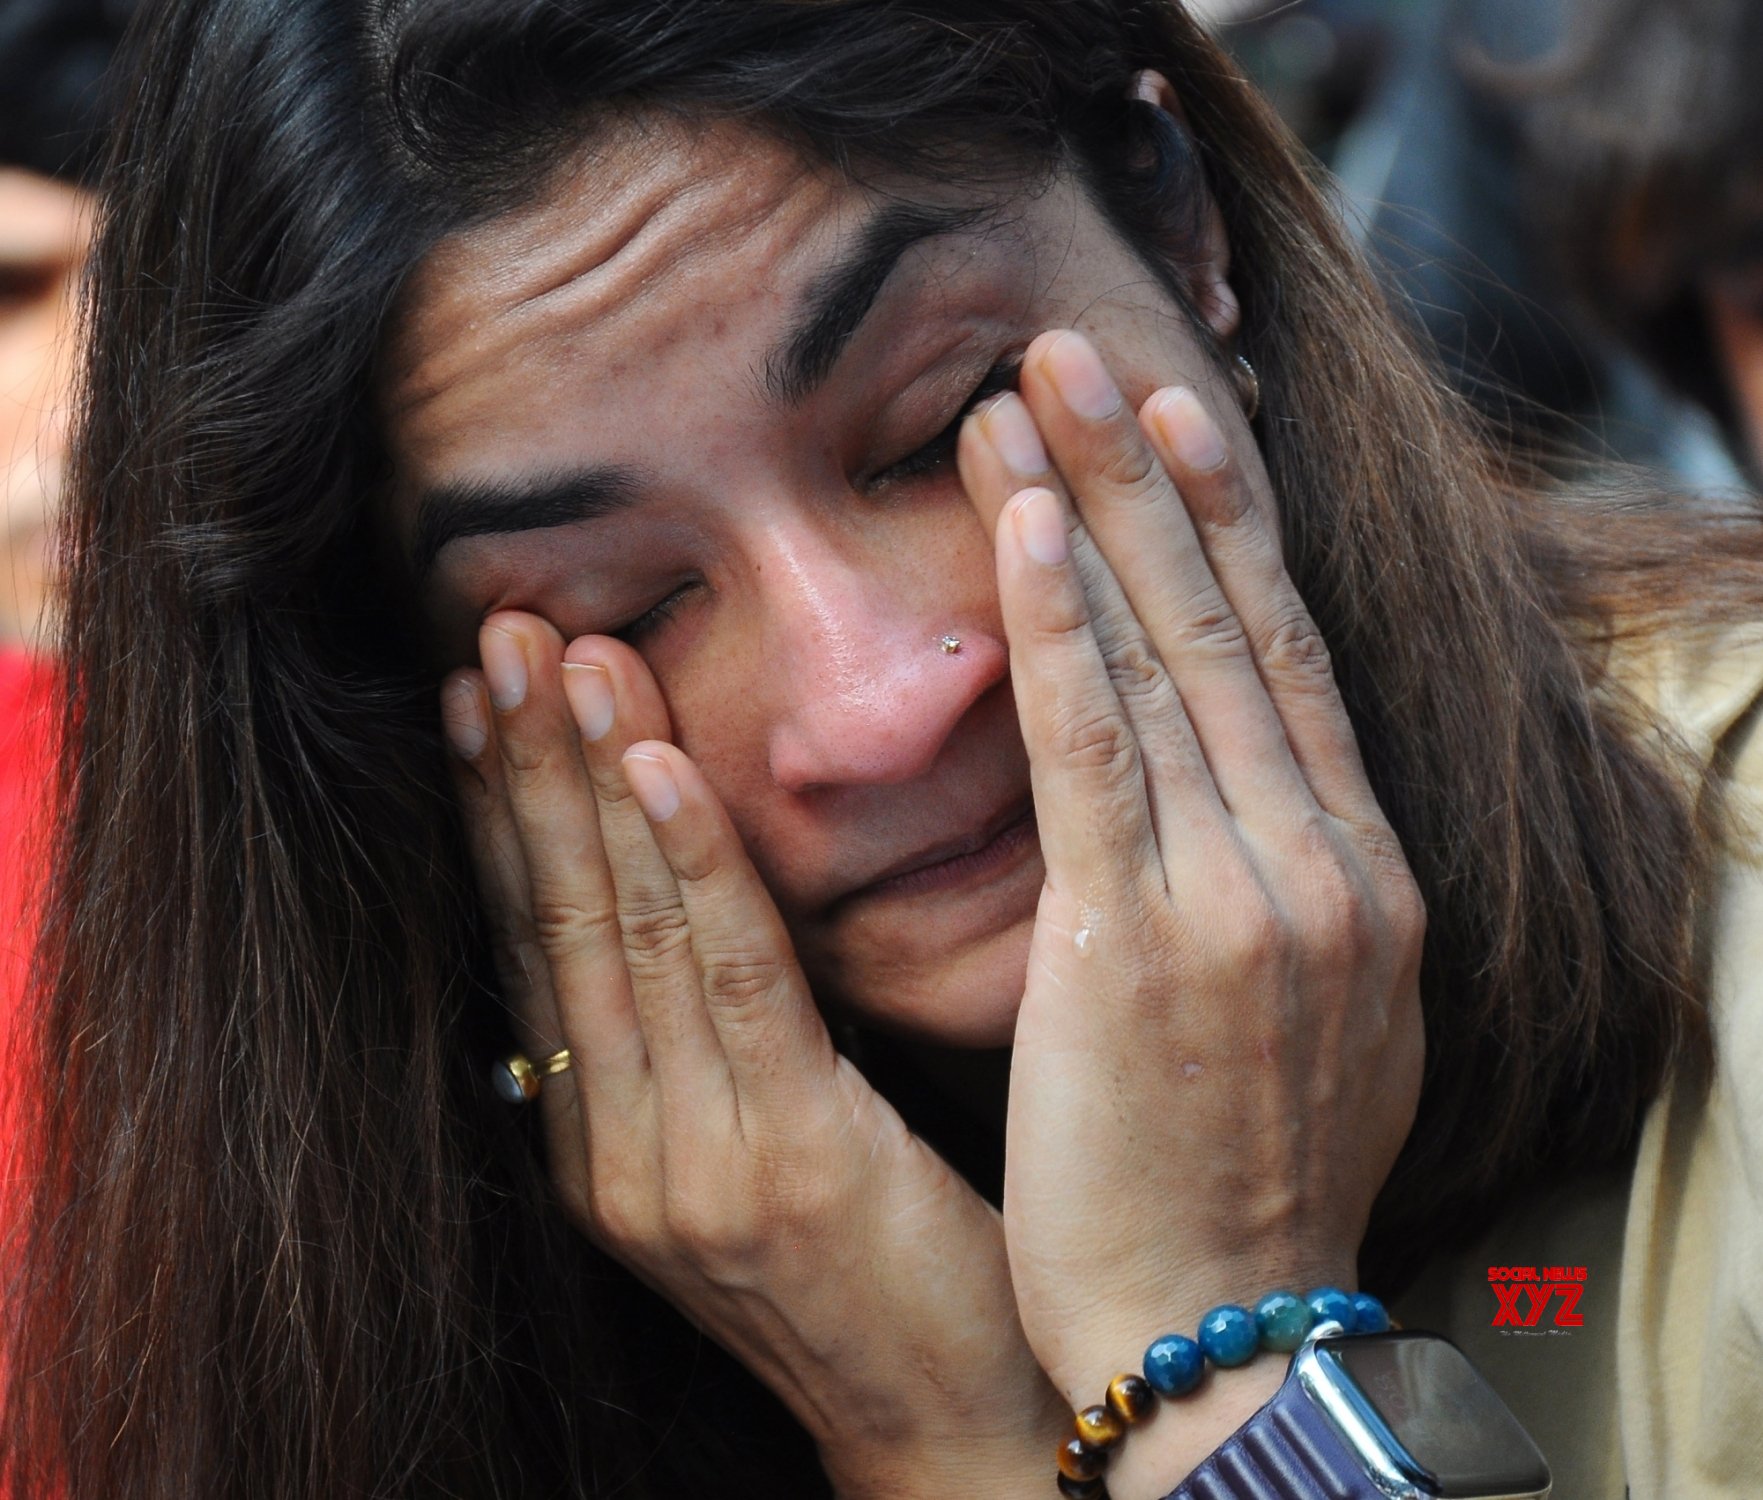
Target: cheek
{"type": "Point", "coordinates": [720, 722]}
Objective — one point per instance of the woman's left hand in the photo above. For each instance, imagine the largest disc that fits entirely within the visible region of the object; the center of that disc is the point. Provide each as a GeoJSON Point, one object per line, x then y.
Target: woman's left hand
{"type": "Point", "coordinates": [1219, 1049]}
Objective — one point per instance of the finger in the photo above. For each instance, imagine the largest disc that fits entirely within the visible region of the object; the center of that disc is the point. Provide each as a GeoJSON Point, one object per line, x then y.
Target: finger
{"type": "Point", "coordinates": [753, 988]}
{"type": "Point", "coordinates": [615, 702]}
{"type": "Point", "coordinates": [498, 864]}
{"type": "Point", "coordinates": [1086, 764]}
{"type": "Point", "coordinates": [570, 899]}
{"type": "Point", "coordinates": [1136, 515]}
{"type": "Point", "coordinates": [1240, 542]}
{"type": "Point", "coordinates": [1001, 455]}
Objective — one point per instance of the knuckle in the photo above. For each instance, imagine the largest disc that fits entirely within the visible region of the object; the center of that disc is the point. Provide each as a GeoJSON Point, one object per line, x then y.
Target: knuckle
{"type": "Point", "coordinates": [1221, 500]}
{"type": "Point", "coordinates": [1136, 670]}
{"type": "Point", "coordinates": [1256, 939]}
{"type": "Point", "coordinates": [738, 980]}
{"type": "Point", "coordinates": [1344, 934]}
{"type": "Point", "coordinates": [712, 1227]}
{"type": "Point", "coordinates": [1208, 625]}
{"type": "Point", "coordinates": [696, 864]}
{"type": "Point", "coordinates": [653, 928]}
{"type": "Point", "coordinates": [1099, 740]}
{"type": "Point", "coordinates": [561, 923]}
{"type": "Point", "coordinates": [1384, 851]}
{"type": "Point", "coordinates": [1398, 896]}
{"type": "Point", "coordinates": [618, 1220]}
{"type": "Point", "coordinates": [1130, 471]}
{"type": "Point", "coordinates": [1407, 913]}
{"type": "Point", "coordinates": [1312, 841]}
{"type": "Point", "coordinates": [1064, 625]}
{"type": "Point", "coordinates": [1296, 650]}
{"type": "Point", "coordinates": [1335, 911]}
{"type": "Point", "coordinates": [527, 757]}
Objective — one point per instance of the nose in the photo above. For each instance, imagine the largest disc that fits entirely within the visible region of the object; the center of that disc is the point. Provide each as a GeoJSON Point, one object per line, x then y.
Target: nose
{"type": "Point", "coordinates": [873, 666]}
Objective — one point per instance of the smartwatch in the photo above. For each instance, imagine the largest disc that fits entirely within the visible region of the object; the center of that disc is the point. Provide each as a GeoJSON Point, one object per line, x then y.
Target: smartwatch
{"type": "Point", "coordinates": [1376, 1416]}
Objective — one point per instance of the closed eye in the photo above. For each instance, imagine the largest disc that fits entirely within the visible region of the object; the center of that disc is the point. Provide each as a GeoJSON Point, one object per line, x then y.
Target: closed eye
{"type": "Point", "coordinates": [651, 619]}
{"type": "Point", "coordinates": [933, 456]}
{"type": "Point", "coordinates": [939, 452]}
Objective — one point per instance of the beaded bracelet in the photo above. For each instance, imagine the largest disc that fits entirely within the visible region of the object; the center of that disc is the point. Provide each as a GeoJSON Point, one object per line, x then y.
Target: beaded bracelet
{"type": "Point", "coordinates": [1228, 1336]}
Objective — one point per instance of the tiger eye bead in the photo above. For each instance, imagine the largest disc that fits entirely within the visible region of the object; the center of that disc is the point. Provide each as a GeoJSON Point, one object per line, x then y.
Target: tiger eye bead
{"type": "Point", "coordinates": [1082, 1489]}
{"type": "Point", "coordinates": [1131, 1398]}
{"type": "Point", "coordinates": [1079, 1461]}
{"type": "Point", "coordinates": [1099, 1427]}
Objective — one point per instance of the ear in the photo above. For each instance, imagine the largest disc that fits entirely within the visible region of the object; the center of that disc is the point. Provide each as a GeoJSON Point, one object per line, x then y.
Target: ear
{"type": "Point", "coordinates": [1209, 276]}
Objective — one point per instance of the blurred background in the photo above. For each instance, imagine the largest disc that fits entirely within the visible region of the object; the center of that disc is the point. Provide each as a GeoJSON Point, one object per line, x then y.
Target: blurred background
{"type": "Point", "coordinates": [1569, 193]}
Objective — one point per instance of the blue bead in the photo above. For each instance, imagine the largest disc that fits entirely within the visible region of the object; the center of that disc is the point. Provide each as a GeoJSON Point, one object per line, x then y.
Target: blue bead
{"type": "Point", "coordinates": [1282, 1319]}
{"type": "Point", "coordinates": [1228, 1335]}
{"type": "Point", "coordinates": [1331, 1304]}
{"type": "Point", "coordinates": [1174, 1365]}
{"type": "Point", "coordinates": [1369, 1315]}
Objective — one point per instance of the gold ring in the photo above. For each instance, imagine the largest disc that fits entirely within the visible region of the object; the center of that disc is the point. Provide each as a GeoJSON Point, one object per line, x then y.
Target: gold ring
{"type": "Point", "coordinates": [516, 1077]}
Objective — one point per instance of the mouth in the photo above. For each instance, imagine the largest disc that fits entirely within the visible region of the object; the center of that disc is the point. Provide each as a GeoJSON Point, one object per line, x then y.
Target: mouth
{"type": "Point", "coordinates": [954, 862]}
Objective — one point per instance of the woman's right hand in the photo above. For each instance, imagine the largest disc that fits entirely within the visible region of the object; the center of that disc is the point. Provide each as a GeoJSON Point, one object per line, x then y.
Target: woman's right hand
{"type": "Point", "coordinates": [708, 1135]}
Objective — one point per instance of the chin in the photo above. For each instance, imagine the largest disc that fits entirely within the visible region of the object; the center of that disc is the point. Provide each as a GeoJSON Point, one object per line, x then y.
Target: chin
{"type": "Point", "coordinates": [967, 997]}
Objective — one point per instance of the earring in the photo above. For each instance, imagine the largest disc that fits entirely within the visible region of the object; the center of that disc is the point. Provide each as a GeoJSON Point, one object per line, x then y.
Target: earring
{"type": "Point", "coordinates": [1248, 385]}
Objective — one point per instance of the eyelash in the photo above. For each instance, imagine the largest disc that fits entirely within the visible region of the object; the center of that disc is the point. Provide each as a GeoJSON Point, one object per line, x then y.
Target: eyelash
{"type": "Point", "coordinates": [652, 618]}
{"type": "Point", "coordinates": [939, 451]}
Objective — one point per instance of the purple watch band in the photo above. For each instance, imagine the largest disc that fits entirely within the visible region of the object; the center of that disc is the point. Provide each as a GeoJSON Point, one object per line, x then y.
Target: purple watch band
{"type": "Point", "coordinates": [1287, 1451]}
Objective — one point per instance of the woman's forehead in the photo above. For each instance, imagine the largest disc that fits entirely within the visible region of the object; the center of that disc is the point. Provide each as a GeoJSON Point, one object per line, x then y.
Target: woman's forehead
{"type": "Point", "coordinates": [655, 226]}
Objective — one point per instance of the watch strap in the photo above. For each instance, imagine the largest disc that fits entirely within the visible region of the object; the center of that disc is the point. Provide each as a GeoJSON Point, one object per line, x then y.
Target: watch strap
{"type": "Point", "coordinates": [1288, 1450]}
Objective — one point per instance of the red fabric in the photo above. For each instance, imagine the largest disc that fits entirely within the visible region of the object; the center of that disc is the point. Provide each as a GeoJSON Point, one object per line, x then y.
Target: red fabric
{"type": "Point", "coordinates": [27, 688]}
{"type": "Point", "coordinates": [27, 720]}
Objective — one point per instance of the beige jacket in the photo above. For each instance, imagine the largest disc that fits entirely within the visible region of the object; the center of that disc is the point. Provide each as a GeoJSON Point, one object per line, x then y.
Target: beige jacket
{"type": "Point", "coordinates": [1661, 1387]}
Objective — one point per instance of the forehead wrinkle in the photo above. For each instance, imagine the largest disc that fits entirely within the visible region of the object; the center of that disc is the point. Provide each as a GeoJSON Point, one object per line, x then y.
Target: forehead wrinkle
{"type": "Point", "coordinates": [687, 256]}
{"type": "Point", "coordinates": [725, 207]}
{"type": "Point", "coordinates": [501, 284]}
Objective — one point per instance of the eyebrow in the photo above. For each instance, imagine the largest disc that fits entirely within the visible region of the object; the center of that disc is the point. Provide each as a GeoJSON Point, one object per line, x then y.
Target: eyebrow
{"type": "Point", "coordinates": [842, 296]}
{"type": "Point", "coordinates": [450, 512]}
{"type": "Point", "coordinates": [834, 307]}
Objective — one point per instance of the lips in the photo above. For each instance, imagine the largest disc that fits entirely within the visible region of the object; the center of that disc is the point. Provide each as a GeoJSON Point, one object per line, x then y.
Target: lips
{"type": "Point", "coordinates": [945, 850]}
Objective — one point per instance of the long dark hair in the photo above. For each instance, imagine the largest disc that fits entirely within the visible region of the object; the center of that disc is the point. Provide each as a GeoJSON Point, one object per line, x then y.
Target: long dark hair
{"type": "Point", "coordinates": [281, 1243]}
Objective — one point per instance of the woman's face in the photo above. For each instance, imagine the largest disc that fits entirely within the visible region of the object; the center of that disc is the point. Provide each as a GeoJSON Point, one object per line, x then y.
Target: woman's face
{"type": "Point", "coordinates": [45, 228]}
{"type": "Point", "coordinates": [707, 389]}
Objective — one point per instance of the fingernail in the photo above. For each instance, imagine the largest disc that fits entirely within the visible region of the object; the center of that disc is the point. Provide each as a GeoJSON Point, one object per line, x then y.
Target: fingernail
{"type": "Point", "coordinates": [462, 719]}
{"type": "Point", "coordinates": [504, 669]}
{"type": "Point", "coordinates": [1040, 527]}
{"type": "Point", "coordinates": [1078, 375]}
{"type": "Point", "coordinates": [588, 686]}
{"type": "Point", "coordinates": [652, 781]}
{"type": "Point", "coordinates": [1011, 429]}
{"type": "Point", "coordinates": [1189, 430]}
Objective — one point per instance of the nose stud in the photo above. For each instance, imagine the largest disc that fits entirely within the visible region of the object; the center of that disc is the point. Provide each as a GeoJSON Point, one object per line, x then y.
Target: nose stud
{"type": "Point", "coordinates": [950, 644]}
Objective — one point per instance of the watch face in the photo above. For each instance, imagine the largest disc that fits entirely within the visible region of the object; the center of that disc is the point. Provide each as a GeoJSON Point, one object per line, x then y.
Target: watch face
{"type": "Point", "coordinates": [1456, 1438]}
